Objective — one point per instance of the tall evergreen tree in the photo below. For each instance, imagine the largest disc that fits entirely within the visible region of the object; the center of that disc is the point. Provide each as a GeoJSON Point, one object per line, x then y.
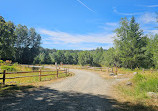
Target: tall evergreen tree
{"type": "Point", "coordinates": [130, 43]}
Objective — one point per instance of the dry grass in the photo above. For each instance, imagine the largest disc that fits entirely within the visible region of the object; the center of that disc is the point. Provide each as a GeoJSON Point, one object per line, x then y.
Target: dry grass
{"type": "Point", "coordinates": [21, 81]}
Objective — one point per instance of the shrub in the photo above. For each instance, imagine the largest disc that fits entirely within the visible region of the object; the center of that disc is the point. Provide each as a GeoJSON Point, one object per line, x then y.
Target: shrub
{"type": "Point", "coordinates": [1, 61]}
{"type": "Point", "coordinates": [8, 68]}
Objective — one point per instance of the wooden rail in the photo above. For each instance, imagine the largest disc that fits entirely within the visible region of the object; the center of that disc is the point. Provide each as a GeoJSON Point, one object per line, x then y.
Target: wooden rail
{"type": "Point", "coordinates": [4, 73]}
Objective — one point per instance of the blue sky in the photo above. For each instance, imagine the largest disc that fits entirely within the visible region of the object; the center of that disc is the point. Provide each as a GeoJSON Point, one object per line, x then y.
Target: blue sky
{"type": "Point", "coordinates": [79, 24]}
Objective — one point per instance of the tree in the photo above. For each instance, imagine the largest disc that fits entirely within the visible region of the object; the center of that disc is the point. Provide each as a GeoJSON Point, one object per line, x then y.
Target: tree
{"type": "Point", "coordinates": [27, 44]}
{"type": "Point", "coordinates": [22, 42]}
{"type": "Point", "coordinates": [68, 58]}
{"type": "Point", "coordinates": [130, 43]}
{"type": "Point", "coordinates": [110, 57]}
{"type": "Point", "coordinates": [152, 51]}
{"type": "Point", "coordinates": [39, 59]}
{"type": "Point", "coordinates": [7, 39]}
{"type": "Point", "coordinates": [85, 58]}
{"type": "Point", "coordinates": [98, 56]}
{"type": "Point", "coordinates": [35, 41]}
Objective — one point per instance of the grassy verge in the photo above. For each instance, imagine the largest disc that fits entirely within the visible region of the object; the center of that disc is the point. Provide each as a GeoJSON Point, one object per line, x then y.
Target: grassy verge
{"type": "Point", "coordinates": [22, 84]}
{"type": "Point", "coordinates": [137, 93]}
{"type": "Point", "coordinates": [19, 81]}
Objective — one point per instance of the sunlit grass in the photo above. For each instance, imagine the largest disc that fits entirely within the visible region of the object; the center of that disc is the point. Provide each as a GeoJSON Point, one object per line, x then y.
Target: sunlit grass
{"type": "Point", "coordinates": [24, 80]}
{"type": "Point", "coordinates": [141, 84]}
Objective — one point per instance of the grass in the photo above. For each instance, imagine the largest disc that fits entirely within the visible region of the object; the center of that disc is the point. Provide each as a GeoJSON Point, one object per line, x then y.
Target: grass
{"type": "Point", "coordinates": [142, 83]}
{"type": "Point", "coordinates": [28, 79]}
{"type": "Point", "coordinates": [13, 86]}
{"type": "Point", "coordinates": [10, 90]}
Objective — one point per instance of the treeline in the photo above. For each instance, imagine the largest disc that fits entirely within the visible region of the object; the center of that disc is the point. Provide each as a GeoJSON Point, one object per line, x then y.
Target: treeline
{"type": "Point", "coordinates": [50, 56]}
{"type": "Point", "coordinates": [18, 43]}
{"type": "Point", "coordinates": [131, 49]}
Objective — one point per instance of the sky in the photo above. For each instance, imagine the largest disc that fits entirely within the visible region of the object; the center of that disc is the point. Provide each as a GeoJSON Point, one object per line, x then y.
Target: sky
{"type": "Point", "coordinates": [79, 24]}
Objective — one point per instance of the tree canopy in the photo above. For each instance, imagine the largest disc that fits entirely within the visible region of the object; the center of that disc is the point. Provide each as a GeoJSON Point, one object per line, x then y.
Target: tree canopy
{"type": "Point", "coordinates": [131, 49]}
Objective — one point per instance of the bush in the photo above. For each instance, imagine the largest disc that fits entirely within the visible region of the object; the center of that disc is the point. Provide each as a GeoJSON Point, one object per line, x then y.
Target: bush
{"type": "Point", "coordinates": [1, 61]}
{"type": "Point", "coordinates": [8, 68]}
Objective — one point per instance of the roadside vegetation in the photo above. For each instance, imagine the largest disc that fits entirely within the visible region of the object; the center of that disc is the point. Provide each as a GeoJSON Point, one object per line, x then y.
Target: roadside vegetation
{"type": "Point", "coordinates": [9, 67]}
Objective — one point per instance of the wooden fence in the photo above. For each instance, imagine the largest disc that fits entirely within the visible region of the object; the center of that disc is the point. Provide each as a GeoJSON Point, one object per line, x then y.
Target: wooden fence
{"type": "Point", "coordinates": [4, 73]}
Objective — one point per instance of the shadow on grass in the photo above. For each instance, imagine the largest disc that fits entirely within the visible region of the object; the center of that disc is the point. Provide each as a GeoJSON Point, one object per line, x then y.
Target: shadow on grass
{"type": "Point", "coordinates": [11, 90]}
{"type": "Point", "coordinates": [44, 98]}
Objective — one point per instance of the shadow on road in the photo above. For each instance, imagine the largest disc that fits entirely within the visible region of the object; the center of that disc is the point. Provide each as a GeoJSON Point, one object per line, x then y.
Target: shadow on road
{"type": "Point", "coordinates": [44, 98]}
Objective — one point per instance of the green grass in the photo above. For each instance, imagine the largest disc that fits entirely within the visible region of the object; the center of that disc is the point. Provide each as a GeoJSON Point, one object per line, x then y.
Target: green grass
{"type": "Point", "coordinates": [16, 67]}
{"type": "Point", "coordinates": [146, 82]}
{"type": "Point", "coordinates": [32, 79]}
{"type": "Point", "coordinates": [142, 83]}
{"type": "Point", "coordinates": [8, 68]}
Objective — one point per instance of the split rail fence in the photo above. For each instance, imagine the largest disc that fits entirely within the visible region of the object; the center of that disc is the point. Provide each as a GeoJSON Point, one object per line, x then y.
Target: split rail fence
{"type": "Point", "coordinates": [57, 73]}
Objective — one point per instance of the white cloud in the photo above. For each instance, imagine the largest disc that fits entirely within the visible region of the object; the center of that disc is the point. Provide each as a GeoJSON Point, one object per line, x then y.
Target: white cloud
{"type": "Point", "coordinates": [121, 13]}
{"type": "Point", "coordinates": [152, 6]}
{"type": "Point", "coordinates": [153, 31]}
{"type": "Point", "coordinates": [58, 36]}
{"type": "Point", "coordinates": [147, 18]}
{"type": "Point", "coordinates": [113, 24]}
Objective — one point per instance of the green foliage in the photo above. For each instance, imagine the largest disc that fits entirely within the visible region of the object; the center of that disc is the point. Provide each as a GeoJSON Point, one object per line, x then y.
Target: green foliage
{"type": "Point", "coordinates": [27, 44]}
{"type": "Point", "coordinates": [98, 57]}
{"type": "Point", "coordinates": [1, 61]}
{"type": "Point", "coordinates": [85, 58]}
{"type": "Point", "coordinates": [130, 43]}
{"type": "Point", "coordinates": [131, 48]}
{"type": "Point", "coordinates": [111, 58]}
{"type": "Point", "coordinates": [142, 84]}
{"type": "Point", "coordinates": [18, 43]}
{"type": "Point", "coordinates": [146, 82]}
{"type": "Point", "coordinates": [8, 68]}
{"type": "Point", "coordinates": [152, 49]}
{"type": "Point", "coordinates": [149, 85]}
{"type": "Point", "coordinates": [138, 78]}
{"type": "Point", "coordinates": [7, 39]}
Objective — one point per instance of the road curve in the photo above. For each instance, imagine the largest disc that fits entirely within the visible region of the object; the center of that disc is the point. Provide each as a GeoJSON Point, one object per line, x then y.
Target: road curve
{"type": "Point", "coordinates": [84, 82]}
{"type": "Point", "coordinates": [85, 91]}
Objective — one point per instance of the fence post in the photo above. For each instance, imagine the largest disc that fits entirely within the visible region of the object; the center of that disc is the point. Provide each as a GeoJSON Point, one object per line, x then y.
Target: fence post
{"type": "Point", "coordinates": [4, 77]}
{"type": "Point", "coordinates": [57, 73]}
{"type": "Point", "coordinates": [112, 70]}
{"type": "Point", "coordinates": [40, 75]}
{"type": "Point", "coordinates": [108, 69]}
{"type": "Point", "coordinates": [116, 70]}
{"type": "Point", "coordinates": [66, 71]}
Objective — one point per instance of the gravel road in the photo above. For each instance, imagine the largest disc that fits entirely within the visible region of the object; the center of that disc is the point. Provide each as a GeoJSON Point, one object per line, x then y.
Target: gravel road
{"type": "Point", "coordinates": [85, 91]}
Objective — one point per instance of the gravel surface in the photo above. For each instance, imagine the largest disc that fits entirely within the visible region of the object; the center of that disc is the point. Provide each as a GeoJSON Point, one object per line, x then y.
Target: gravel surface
{"type": "Point", "coordinates": [85, 91]}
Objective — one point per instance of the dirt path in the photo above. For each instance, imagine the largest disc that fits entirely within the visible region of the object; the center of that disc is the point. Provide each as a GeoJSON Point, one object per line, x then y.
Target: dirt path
{"type": "Point", "coordinates": [84, 82]}
{"type": "Point", "coordinates": [86, 91]}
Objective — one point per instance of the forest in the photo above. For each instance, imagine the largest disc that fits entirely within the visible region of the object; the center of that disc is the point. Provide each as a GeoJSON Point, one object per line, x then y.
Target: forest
{"type": "Point", "coordinates": [132, 48]}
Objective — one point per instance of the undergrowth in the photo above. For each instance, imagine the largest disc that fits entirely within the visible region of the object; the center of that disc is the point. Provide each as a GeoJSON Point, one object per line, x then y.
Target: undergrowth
{"type": "Point", "coordinates": [141, 85]}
